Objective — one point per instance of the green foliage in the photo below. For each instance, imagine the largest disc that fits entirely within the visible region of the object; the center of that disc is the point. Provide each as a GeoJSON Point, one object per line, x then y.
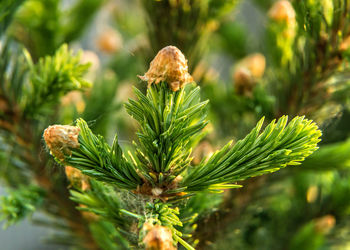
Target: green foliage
{"type": "Point", "coordinates": [169, 124]}
{"type": "Point", "coordinates": [51, 78]}
{"type": "Point", "coordinates": [101, 200]}
{"type": "Point", "coordinates": [233, 33]}
{"type": "Point", "coordinates": [43, 38]}
{"type": "Point", "coordinates": [191, 22]}
{"type": "Point", "coordinates": [307, 238]}
{"type": "Point", "coordinates": [12, 79]}
{"type": "Point", "coordinates": [78, 17]}
{"type": "Point", "coordinates": [160, 214]}
{"type": "Point", "coordinates": [20, 203]}
{"type": "Point", "coordinates": [276, 147]}
{"type": "Point", "coordinates": [308, 58]}
{"type": "Point", "coordinates": [307, 72]}
{"type": "Point", "coordinates": [101, 104]}
{"type": "Point", "coordinates": [7, 10]}
{"type": "Point", "coordinates": [97, 159]}
{"type": "Point", "coordinates": [107, 236]}
{"type": "Point", "coordinates": [53, 25]}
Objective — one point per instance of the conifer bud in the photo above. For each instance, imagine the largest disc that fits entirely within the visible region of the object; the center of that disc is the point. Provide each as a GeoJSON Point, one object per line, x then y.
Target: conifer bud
{"type": "Point", "coordinates": [109, 41]}
{"type": "Point", "coordinates": [325, 224]}
{"type": "Point", "coordinates": [77, 179]}
{"type": "Point", "coordinates": [247, 72]}
{"type": "Point", "coordinates": [158, 238]}
{"type": "Point", "coordinates": [169, 65]}
{"type": "Point", "coordinates": [61, 139]}
{"type": "Point", "coordinates": [282, 11]}
{"type": "Point", "coordinates": [345, 44]}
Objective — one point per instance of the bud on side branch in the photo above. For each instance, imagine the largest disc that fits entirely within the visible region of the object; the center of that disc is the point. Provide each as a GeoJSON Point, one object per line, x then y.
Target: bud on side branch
{"type": "Point", "coordinates": [61, 139]}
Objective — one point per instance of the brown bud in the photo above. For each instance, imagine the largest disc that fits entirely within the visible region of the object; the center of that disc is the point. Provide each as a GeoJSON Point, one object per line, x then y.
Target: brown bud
{"type": "Point", "coordinates": [60, 139]}
{"type": "Point", "coordinates": [282, 11]}
{"type": "Point", "coordinates": [158, 238]}
{"type": "Point", "coordinates": [169, 65]}
{"type": "Point", "coordinates": [255, 63]}
{"type": "Point", "coordinates": [243, 81]}
{"type": "Point", "coordinates": [89, 216]}
{"type": "Point", "coordinates": [345, 44]}
{"type": "Point", "coordinates": [325, 224]}
{"type": "Point", "coordinates": [109, 41]}
{"type": "Point", "coordinates": [77, 179]}
{"type": "Point", "coordinates": [247, 72]}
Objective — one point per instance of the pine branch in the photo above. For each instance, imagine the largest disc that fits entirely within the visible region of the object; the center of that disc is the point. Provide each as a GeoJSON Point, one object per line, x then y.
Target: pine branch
{"type": "Point", "coordinates": [101, 200]}
{"type": "Point", "coordinates": [107, 236]}
{"type": "Point", "coordinates": [20, 203]}
{"type": "Point", "coordinates": [276, 147]}
{"type": "Point", "coordinates": [51, 78]}
{"type": "Point", "coordinates": [20, 137]}
{"type": "Point", "coordinates": [95, 158]}
{"type": "Point", "coordinates": [169, 124]}
{"type": "Point", "coordinates": [160, 214]}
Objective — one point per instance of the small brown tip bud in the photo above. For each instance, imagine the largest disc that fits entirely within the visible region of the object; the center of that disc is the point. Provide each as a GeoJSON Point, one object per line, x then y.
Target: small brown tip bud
{"type": "Point", "coordinates": [109, 41]}
{"type": "Point", "coordinates": [255, 63]}
{"type": "Point", "coordinates": [77, 179]}
{"type": "Point", "coordinates": [60, 139]}
{"type": "Point", "coordinates": [158, 238]}
{"type": "Point", "coordinates": [282, 11]}
{"type": "Point", "coordinates": [169, 65]}
{"type": "Point", "coordinates": [325, 224]}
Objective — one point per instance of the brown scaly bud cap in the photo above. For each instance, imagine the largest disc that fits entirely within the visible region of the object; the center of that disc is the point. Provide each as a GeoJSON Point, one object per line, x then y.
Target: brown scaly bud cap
{"type": "Point", "coordinates": [255, 63]}
{"type": "Point", "coordinates": [243, 81]}
{"type": "Point", "coordinates": [77, 178]}
{"type": "Point", "coordinates": [158, 238]}
{"type": "Point", "coordinates": [169, 65]}
{"type": "Point", "coordinates": [282, 11]}
{"type": "Point", "coordinates": [60, 139]}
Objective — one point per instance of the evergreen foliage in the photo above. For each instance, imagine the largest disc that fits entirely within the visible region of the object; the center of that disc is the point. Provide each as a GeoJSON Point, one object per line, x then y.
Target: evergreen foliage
{"type": "Point", "coordinates": [20, 203]}
{"type": "Point", "coordinates": [170, 125]}
{"type": "Point", "coordinates": [51, 78]}
{"type": "Point", "coordinates": [169, 178]}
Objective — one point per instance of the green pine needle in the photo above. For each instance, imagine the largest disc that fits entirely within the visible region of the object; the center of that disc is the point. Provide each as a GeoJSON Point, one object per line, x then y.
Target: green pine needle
{"type": "Point", "coordinates": [258, 153]}
{"type": "Point", "coordinates": [20, 203]}
{"type": "Point", "coordinates": [97, 159]}
{"type": "Point", "coordinates": [170, 122]}
{"type": "Point", "coordinates": [51, 78]}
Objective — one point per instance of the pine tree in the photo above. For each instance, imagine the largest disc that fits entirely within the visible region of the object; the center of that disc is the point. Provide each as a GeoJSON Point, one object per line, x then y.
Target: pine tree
{"type": "Point", "coordinates": [171, 179]}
